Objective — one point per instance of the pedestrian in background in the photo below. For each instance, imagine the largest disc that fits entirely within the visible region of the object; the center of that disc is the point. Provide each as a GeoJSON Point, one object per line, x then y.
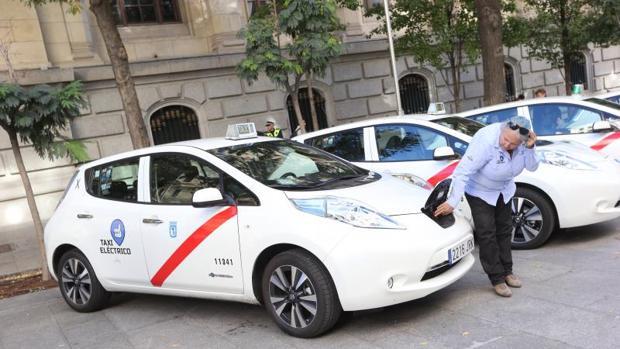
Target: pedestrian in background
{"type": "Point", "coordinates": [271, 130]}
{"type": "Point", "coordinates": [540, 93]}
{"type": "Point", "coordinates": [496, 155]}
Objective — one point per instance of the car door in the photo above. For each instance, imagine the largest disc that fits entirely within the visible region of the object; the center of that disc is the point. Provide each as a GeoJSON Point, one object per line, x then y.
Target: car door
{"type": "Point", "coordinates": [187, 247]}
{"type": "Point", "coordinates": [108, 216]}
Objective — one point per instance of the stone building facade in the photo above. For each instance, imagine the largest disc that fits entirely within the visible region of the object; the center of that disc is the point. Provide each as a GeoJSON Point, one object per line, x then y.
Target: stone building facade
{"type": "Point", "coordinates": [187, 66]}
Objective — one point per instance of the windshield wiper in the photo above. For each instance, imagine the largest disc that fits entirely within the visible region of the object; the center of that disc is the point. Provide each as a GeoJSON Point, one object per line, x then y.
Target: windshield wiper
{"type": "Point", "coordinates": [337, 179]}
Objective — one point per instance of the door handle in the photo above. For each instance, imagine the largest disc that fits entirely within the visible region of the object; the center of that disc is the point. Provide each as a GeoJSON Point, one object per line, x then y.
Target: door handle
{"type": "Point", "coordinates": [84, 216]}
{"type": "Point", "coordinates": [152, 221]}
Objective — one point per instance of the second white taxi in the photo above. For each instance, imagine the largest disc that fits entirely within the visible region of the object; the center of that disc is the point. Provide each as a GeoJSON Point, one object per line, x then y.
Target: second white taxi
{"type": "Point", "coordinates": [573, 185]}
{"type": "Point", "coordinates": [251, 219]}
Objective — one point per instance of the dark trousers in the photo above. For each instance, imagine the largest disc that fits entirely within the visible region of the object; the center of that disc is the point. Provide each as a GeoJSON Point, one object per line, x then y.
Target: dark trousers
{"type": "Point", "coordinates": [493, 233]}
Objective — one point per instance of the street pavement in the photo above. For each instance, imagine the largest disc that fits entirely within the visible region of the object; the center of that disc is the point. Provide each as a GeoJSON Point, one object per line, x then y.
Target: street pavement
{"type": "Point", "coordinates": [570, 299]}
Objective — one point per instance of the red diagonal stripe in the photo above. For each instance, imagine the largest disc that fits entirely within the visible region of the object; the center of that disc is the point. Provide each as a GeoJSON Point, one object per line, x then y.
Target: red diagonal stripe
{"type": "Point", "coordinates": [443, 174]}
{"type": "Point", "coordinates": [191, 243]}
{"type": "Point", "coordinates": [606, 141]}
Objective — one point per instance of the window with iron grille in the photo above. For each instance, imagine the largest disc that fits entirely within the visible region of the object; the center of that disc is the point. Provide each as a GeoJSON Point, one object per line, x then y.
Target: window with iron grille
{"type": "Point", "coordinates": [132, 12]}
{"type": "Point", "coordinates": [414, 93]}
{"type": "Point", "coordinates": [174, 124]}
{"type": "Point", "coordinates": [578, 71]}
{"type": "Point", "coordinates": [509, 76]}
{"type": "Point", "coordinates": [304, 105]}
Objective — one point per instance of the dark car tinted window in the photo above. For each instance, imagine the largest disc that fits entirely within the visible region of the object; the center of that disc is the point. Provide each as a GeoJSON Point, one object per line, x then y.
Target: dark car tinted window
{"type": "Point", "coordinates": [115, 181]}
{"type": "Point", "coordinates": [347, 144]}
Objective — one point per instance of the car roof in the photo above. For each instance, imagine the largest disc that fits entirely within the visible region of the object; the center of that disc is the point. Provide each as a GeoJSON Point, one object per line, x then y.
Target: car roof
{"type": "Point", "coordinates": [203, 144]}
{"type": "Point", "coordinates": [418, 119]}
{"type": "Point", "coordinates": [603, 95]}
{"type": "Point", "coordinates": [534, 101]}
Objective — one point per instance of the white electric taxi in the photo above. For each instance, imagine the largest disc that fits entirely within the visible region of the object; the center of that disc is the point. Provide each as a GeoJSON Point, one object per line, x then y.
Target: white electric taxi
{"type": "Point", "coordinates": [573, 185]}
{"type": "Point", "coordinates": [596, 125]}
{"type": "Point", "coordinates": [251, 219]}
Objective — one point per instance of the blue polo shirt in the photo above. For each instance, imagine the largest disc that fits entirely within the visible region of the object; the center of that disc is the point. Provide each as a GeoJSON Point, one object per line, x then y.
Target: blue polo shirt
{"type": "Point", "coordinates": [487, 170]}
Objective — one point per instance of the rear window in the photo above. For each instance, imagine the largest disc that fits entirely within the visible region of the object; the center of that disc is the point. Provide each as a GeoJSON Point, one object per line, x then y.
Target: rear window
{"type": "Point", "coordinates": [114, 181]}
{"type": "Point", "coordinates": [462, 125]}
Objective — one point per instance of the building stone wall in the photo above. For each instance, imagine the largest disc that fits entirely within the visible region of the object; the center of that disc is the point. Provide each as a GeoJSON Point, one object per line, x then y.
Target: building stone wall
{"type": "Point", "coordinates": [192, 64]}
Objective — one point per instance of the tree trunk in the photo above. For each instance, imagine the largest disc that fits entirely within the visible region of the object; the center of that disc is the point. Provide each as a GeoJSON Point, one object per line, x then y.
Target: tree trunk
{"type": "Point", "coordinates": [102, 9]}
{"type": "Point", "coordinates": [490, 31]}
{"type": "Point", "coordinates": [315, 119]}
{"type": "Point", "coordinates": [456, 85]}
{"type": "Point", "coordinates": [298, 115]}
{"type": "Point", "coordinates": [32, 205]}
{"type": "Point", "coordinates": [567, 75]}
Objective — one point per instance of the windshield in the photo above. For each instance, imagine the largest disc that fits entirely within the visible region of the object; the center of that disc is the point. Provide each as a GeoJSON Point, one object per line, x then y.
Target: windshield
{"type": "Point", "coordinates": [292, 166]}
{"type": "Point", "coordinates": [604, 102]}
{"type": "Point", "coordinates": [466, 126]}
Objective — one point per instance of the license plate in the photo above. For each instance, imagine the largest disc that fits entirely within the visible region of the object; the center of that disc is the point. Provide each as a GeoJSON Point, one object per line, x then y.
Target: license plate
{"type": "Point", "coordinates": [460, 250]}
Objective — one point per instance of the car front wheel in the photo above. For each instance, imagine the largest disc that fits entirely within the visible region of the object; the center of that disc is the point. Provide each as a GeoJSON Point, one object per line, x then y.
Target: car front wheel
{"type": "Point", "coordinates": [78, 283]}
{"type": "Point", "coordinates": [533, 219]}
{"type": "Point", "coordinates": [299, 294]}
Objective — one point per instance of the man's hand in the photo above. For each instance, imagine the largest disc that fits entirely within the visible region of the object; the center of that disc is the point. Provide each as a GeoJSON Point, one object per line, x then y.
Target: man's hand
{"type": "Point", "coordinates": [532, 140]}
{"type": "Point", "coordinates": [443, 209]}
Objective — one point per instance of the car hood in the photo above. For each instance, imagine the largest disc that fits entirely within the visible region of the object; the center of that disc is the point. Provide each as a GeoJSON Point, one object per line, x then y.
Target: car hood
{"type": "Point", "coordinates": [388, 195]}
{"type": "Point", "coordinates": [575, 149]}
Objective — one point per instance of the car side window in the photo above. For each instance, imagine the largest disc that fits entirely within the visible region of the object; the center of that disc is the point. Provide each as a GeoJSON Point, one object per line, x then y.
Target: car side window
{"type": "Point", "coordinates": [174, 178]}
{"type": "Point", "coordinates": [615, 99]}
{"type": "Point", "coordinates": [114, 181]}
{"type": "Point", "coordinates": [459, 146]}
{"type": "Point", "coordinates": [407, 142]}
{"type": "Point", "coordinates": [347, 144]}
{"type": "Point", "coordinates": [561, 119]}
{"type": "Point", "coordinates": [494, 116]}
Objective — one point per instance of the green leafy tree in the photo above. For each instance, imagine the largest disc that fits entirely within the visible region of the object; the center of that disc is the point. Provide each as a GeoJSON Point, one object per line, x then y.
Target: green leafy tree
{"type": "Point", "coordinates": [104, 14]}
{"type": "Point", "coordinates": [442, 33]}
{"type": "Point", "coordinates": [559, 31]}
{"type": "Point", "coordinates": [310, 42]}
{"type": "Point", "coordinates": [38, 116]}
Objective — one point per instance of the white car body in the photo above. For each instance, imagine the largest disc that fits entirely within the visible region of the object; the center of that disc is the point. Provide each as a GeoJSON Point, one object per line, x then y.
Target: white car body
{"type": "Point", "coordinates": [578, 197]}
{"type": "Point", "coordinates": [544, 114]}
{"type": "Point", "coordinates": [359, 260]}
{"type": "Point", "coordinates": [612, 96]}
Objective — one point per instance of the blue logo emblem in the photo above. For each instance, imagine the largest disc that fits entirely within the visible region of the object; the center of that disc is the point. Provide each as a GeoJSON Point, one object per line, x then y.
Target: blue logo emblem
{"type": "Point", "coordinates": [173, 229]}
{"type": "Point", "coordinates": [117, 229]}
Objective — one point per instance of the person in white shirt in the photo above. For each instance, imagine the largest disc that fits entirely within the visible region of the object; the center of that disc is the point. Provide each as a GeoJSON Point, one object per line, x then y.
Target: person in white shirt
{"type": "Point", "coordinates": [495, 156]}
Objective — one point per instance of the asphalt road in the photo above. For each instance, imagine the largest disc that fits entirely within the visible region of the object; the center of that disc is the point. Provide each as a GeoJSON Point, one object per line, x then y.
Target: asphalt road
{"type": "Point", "coordinates": [570, 299]}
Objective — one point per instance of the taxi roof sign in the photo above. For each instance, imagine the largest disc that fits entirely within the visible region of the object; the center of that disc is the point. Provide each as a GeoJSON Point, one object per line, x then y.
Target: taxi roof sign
{"type": "Point", "coordinates": [436, 108]}
{"type": "Point", "coordinates": [241, 131]}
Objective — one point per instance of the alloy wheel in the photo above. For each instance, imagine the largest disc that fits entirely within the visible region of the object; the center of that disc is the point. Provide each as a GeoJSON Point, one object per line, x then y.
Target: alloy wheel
{"type": "Point", "coordinates": [76, 282]}
{"type": "Point", "coordinates": [527, 220]}
{"type": "Point", "coordinates": [292, 296]}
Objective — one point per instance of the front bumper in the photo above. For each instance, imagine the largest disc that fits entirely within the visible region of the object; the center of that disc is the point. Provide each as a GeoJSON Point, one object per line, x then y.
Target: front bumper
{"type": "Point", "coordinates": [363, 263]}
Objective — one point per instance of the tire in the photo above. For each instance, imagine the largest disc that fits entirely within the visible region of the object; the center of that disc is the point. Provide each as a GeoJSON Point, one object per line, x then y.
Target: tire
{"type": "Point", "coordinates": [82, 292]}
{"type": "Point", "coordinates": [291, 308]}
{"type": "Point", "coordinates": [531, 229]}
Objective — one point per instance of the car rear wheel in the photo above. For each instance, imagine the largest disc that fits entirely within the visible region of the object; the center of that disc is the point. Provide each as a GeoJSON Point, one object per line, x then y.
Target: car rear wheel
{"type": "Point", "coordinates": [533, 219]}
{"type": "Point", "coordinates": [78, 283]}
{"type": "Point", "coordinates": [299, 294]}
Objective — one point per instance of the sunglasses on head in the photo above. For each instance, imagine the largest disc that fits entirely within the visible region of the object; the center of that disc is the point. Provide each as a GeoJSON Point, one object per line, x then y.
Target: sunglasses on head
{"type": "Point", "coordinates": [523, 131]}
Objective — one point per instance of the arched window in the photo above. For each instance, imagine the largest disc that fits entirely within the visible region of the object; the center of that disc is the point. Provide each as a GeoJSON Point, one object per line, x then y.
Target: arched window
{"type": "Point", "coordinates": [304, 105]}
{"type": "Point", "coordinates": [414, 93]}
{"type": "Point", "coordinates": [509, 76]}
{"type": "Point", "coordinates": [174, 124]}
{"type": "Point", "coordinates": [578, 71]}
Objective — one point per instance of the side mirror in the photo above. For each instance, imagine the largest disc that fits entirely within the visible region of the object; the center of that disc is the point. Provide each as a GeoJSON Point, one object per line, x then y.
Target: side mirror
{"type": "Point", "coordinates": [208, 197]}
{"type": "Point", "coordinates": [602, 126]}
{"type": "Point", "coordinates": [444, 153]}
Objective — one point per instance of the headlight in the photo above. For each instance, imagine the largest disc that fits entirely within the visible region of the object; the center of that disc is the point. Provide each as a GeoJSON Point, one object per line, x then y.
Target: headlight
{"type": "Point", "coordinates": [413, 179]}
{"type": "Point", "coordinates": [564, 160]}
{"type": "Point", "coordinates": [347, 211]}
